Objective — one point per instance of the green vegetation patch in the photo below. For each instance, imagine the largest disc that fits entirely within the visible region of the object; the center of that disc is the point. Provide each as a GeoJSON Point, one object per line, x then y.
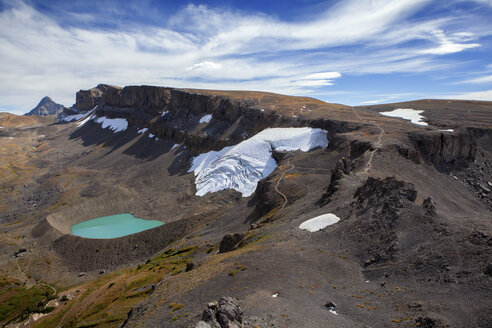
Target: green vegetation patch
{"type": "Point", "coordinates": [18, 302]}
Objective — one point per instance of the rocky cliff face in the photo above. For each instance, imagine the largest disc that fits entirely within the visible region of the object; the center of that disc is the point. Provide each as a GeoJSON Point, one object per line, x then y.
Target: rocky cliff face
{"type": "Point", "coordinates": [175, 114]}
{"type": "Point", "coordinates": [47, 107]}
{"type": "Point", "coordinates": [441, 149]}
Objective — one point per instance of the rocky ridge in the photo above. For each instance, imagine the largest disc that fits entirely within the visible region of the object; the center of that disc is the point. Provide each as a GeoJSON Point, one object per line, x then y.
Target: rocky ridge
{"type": "Point", "coordinates": [47, 107]}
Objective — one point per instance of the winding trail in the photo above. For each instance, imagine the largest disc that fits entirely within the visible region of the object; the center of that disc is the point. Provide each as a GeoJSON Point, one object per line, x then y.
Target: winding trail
{"type": "Point", "coordinates": [379, 143]}
{"type": "Point", "coordinates": [278, 183]}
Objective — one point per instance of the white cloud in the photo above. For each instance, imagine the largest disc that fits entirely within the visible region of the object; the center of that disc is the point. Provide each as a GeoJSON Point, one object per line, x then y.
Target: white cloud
{"type": "Point", "coordinates": [204, 66]}
{"type": "Point", "coordinates": [317, 79]}
{"type": "Point", "coordinates": [475, 95]}
{"type": "Point", "coordinates": [483, 79]}
{"type": "Point", "coordinates": [372, 102]}
{"type": "Point", "coordinates": [202, 47]}
{"type": "Point", "coordinates": [323, 76]}
{"type": "Point", "coordinates": [450, 44]}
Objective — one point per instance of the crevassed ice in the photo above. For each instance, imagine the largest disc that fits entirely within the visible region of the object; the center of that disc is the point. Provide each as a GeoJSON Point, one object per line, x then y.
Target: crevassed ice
{"type": "Point", "coordinates": [319, 222]}
{"type": "Point", "coordinates": [206, 118]}
{"type": "Point", "coordinates": [413, 115]}
{"type": "Point", "coordinates": [115, 124]}
{"type": "Point", "coordinates": [240, 167]}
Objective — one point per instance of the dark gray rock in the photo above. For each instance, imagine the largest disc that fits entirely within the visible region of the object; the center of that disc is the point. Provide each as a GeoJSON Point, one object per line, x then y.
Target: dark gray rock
{"type": "Point", "coordinates": [230, 242]}
{"type": "Point", "coordinates": [342, 168]}
{"type": "Point", "coordinates": [488, 270]}
{"type": "Point", "coordinates": [225, 313]}
{"type": "Point", "coordinates": [20, 252]}
{"type": "Point", "coordinates": [189, 266]}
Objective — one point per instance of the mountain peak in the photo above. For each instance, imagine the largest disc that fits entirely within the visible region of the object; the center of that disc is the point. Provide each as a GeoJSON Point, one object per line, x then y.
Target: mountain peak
{"type": "Point", "coordinates": [47, 107]}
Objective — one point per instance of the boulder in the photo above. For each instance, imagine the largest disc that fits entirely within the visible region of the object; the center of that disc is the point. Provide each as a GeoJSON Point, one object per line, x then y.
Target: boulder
{"type": "Point", "coordinates": [230, 242]}
{"type": "Point", "coordinates": [225, 313]}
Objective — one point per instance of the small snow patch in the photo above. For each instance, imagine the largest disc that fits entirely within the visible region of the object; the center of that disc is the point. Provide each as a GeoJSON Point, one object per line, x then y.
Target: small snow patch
{"type": "Point", "coordinates": [151, 135]}
{"type": "Point", "coordinates": [175, 146]}
{"type": "Point", "coordinates": [75, 117]}
{"type": "Point", "coordinates": [319, 222]}
{"type": "Point", "coordinates": [206, 118]}
{"type": "Point", "coordinates": [447, 130]}
{"type": "Point", "coordinates": [332, 308]}
{"type": "Point", "coordinates": [164, 113]}
{"type": "Point", "coordinates": [412, 115]}
{"type": "Point", "coordinates": [114, 124]}
{"type": "Point", "coordinates": [275, 295]}
{"type": "Point", "coordinates": [85, 120]}
{"type": "Point", "coordinates": [142, 130]}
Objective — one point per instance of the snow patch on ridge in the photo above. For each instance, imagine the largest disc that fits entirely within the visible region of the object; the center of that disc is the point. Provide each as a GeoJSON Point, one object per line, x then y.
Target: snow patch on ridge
{"type": "Point", "coordinates": [319, 222]}
{"type": "Point", "coordinates": [85, 120]}
{"type": "Point", "coordinates": [240, 167]}
{"type": "Point", "coordinates": [412, 115]}
{"type": "Point", "coordinates": [115, 124]}
{"type": "Point", "coordinates": [206, 118]}
{"type": "Point", "coordinates": [142, 130]}
{"type": "Point", "coordinates": [76, 117]}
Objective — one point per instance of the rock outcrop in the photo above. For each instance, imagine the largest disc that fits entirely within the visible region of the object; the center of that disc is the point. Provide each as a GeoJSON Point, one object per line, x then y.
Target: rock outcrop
{"type": "Point", "coordinates": [174, 114]}
{"type": "Point", "coordinates": [377, 205]}
{"type": "Point", "coordinates": [86, 99]}
{"type": "Point", "coordinates": [230, 242]}
{"type": "Point", "coordinates": [445, 148]}
{"type": "Point", "coordinates": [342, 168]}
{"type": "Point", "coordinates": [225, 313]}
{"type": "Point", "coordinates": [47, 107]}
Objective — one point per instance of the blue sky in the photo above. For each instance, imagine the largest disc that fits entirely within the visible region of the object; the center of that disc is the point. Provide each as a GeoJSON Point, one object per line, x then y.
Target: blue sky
{"type": "Point", "coordinates": [351, 52]}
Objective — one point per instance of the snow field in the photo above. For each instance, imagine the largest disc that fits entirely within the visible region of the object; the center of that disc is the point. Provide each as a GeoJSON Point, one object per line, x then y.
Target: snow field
{"type": "Point", "coordinates": [319, 222]}
{"type": "Point", "coordinates": [412, 115]}
{"type": "Point", "coordinates": [115, 124]}
{"type": "Point", "coordinates": [240, 167]}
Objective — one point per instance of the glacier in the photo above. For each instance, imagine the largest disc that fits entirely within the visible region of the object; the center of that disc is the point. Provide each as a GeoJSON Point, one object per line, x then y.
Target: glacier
{"type": "Point", "coordinates": [240, 167]}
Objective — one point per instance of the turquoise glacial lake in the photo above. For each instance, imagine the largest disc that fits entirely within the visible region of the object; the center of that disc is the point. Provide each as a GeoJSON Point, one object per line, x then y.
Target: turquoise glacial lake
{"type": "Point", "coordinates": [113, 226]}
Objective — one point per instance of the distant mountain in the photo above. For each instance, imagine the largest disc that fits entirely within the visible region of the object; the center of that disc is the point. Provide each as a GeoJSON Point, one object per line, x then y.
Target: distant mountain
{"type": "Point", "coordinates": [47, 107]}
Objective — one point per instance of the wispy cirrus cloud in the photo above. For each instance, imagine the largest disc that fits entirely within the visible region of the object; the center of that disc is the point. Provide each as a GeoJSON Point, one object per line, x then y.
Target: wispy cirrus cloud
{"type": "Point", "coordinates": [485, 95]}
{"type": "Point", "coordinates": [205, 47]}
{"type": "Point", "coordinates": [479, 80]}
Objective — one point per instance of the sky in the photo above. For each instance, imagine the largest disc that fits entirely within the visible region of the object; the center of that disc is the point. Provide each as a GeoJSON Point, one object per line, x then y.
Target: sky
{"type": "Point", "coordinates": [350, 52]}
